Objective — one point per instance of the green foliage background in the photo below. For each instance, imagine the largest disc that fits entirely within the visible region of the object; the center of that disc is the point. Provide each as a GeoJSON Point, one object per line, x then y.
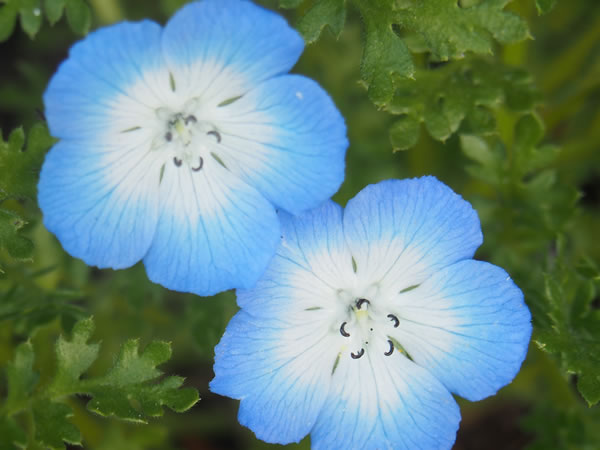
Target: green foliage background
{"type": "Point", "coordinates": [499, 99]}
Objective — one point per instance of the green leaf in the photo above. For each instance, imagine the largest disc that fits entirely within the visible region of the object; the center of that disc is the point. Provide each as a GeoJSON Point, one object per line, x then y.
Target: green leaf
{"type": "Point", "coordinates": [477, 149]}
{"type": "Point", "coordinates": [450, 30]}
{"type": "Point", "coordinates": [8, 20]}
{"type": "Point", "coordinates": [545, 6]}
{"type": "Point", "coordinates": [18, 247]}
{"type": "Point", "coordinates": [131, 390]}
{"type": "Point", "coordinates": [54, 10]}
{"type": "Point", "coordinates": [459, 91]}
{"type": "Point", "coordinates": [52, 427]}
{"type": "Point", "coordinates": [385, 55]}
{"type": "Point", "coordinates": [21, 379]}
{"type": "Point", "coordinates": [11, 436]}
{"type": "Point", "coordinates": [124, 392]}
{"type": "Point", "coordinates": [404, 134]}
{"type": "Point", "coordinates": [20, 164]}
{"type": "Point", "coordinates": [31, 16]}
{"type": "Point", "coordinates": [74, 357]}
{"type": "Point", "coordinates": [79, 16]}
{"type": "Point", "coordinates": [323, 13]}
{"type": "Point", "coordinates": [572, 331]}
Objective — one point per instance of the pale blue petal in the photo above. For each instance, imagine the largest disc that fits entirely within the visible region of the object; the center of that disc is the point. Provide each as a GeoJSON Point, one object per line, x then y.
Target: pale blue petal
{"type": "Point", "coordinates": [91, 93]}
{"type": "Point", "coordinates": [380, 402]}
{"type": "Point", "coordinates": [277, 370]}
{"type": "Point", "coordinates": [223, 47]}
{"type": "Point", "coordinates": [306, 270]}
{"type": "Point", "coordinates": [100, 201]}
{"type": "Point", "coordinates": [214, 232]}
{"type": "Point", "coordinates": [287, 139]}
{"type": "Point", "coordinates": [468, 325]}
{"type": "Point", "coordinates": [402, 231]}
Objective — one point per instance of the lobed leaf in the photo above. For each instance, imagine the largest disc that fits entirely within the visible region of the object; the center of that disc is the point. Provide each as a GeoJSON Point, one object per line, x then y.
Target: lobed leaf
{"type": "Point", "coordinates": [20, 162]}
{"type": "Point", "coordinates": [131, 390]}
{"type": "Point", "coordinates": [572, 332]}
{"type": "Point", "coordinates": [460, 92]}
{"type": "Point", "coordinates": [52, 425]}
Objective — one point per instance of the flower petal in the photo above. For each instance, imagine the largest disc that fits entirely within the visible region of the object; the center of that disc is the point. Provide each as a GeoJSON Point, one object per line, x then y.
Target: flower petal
{"type": "Point", "coordinates": [214, 233]}
{"type": "Point", "coordinates": [468, 325]}
{"type": "Point", "coordinates": [302, 279]}
{"type": "Point", "coordinates": [279, 371]}
{"type": "Point", "coordinates": [112, 81]}
{"type": "Point", "coordinates": [381, 402]}
{"type": "Point", "coordinates": [287, 139]}
{"type": "Point", "coordinates": [219, 49]}
{"type": "Point", "coordinates": [401, 232]}
{"type": "Point", "coordinates": [101, 201]}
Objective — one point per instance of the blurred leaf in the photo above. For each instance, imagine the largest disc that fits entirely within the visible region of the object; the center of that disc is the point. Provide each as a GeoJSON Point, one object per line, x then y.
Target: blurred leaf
{"type": "Point", "coordinates": [545, 6]}
{"type": "Point", "coordinates": [8, 20]}
{"type": "Point", "coordinates": [11, 436]}
{"type": "Point", "coordinates": [31, 16]}
{"type": "Point", "coordinates": [404, 134]}
{"type": "Point", "coordinates": [21, 379]}
{"type": "Point", "coordinates": [331, 13]}
{"type": "Point", "coordinates": [79, 16]}
{"type": "Point", "coordinates": [130, 390]}
{"type": "Point", "coordinates": [290, 3]}
{"type": "Point", "coordinates": [54, 10]}
{"type": "Point", "coordinates": [460, 91]}
{"type": "Point", "coordinates": [30, 13]}
{"type": "Point", "coordinates": [558, 426]}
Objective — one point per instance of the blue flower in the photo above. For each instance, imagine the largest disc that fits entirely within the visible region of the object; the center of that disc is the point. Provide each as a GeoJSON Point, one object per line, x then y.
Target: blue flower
{"type": "Point", "coordinates": [369, 319]}
{"type": "Point", "coordinates": [177, 145]}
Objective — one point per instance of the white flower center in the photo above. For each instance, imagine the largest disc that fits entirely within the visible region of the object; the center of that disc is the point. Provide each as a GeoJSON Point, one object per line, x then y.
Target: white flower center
{"type": "Point", "coordinates": [365, 326]}
{"type": "Point", "coordinates": [184, 137]}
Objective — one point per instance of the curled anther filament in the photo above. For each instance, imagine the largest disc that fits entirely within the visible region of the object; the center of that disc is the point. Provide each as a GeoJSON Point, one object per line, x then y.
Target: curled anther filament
{"type": "Point", "coordinates": [362, 301]}
{"type": "Point", "coordinates": [216, 134]}
{"type": "Point", "coordinates": [196, 169]}
{"type": "Point", "coordinates": [391, 350]}
{"type": "Point", "coordinates": [394, 319]}
{"type": "Point", "coordinates": [357, 355]}
{"type": "Point", "coordinates": [343, 332]}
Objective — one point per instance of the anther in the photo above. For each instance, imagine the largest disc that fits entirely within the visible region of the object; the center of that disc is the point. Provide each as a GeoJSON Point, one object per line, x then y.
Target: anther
{"type": "Point", "coordinates": [190, 118]}
{"type": "Point", "coordinates": [362, 301]}
{"type": "Point", "coordinates": [359, 354]}
{"type": "Point", "coordinates": [215, 134]}
{"type": "Point", "coordinates": [344, 332]}
{"type": "Point", "coordinates": [394, 319]}
{"type": "Point", "coordinates": [391, 350]}
{"type": "Point", "coordinates": [169, 136]}
{"type": "Point", "coordinates": [196, 169]}
{"type": "Point", "coordinates": [177, 161]}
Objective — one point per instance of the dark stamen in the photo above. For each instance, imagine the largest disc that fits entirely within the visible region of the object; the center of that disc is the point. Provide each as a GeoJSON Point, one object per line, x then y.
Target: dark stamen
{"type": "Point", "coordinates": [359, 354]}
{"type": "Point", "coordinates": [190, 118]}
{"type": "Point", "coordinates": [177, 162]}
{"type": "Point", "coordinates": [362, 301]}
{"type": "Point", "coordinates": [169, 136]}
{"type": "Point", "coordinates": [391, 350]}
{"type": "Point", "coordinates": [215, 134]}
{"type": "Point", "coordinates": [394, 319]}
{"type": "Point", "coordinates": [196, 169]}
{"type": "Point", "coordinates": [344, 332]}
